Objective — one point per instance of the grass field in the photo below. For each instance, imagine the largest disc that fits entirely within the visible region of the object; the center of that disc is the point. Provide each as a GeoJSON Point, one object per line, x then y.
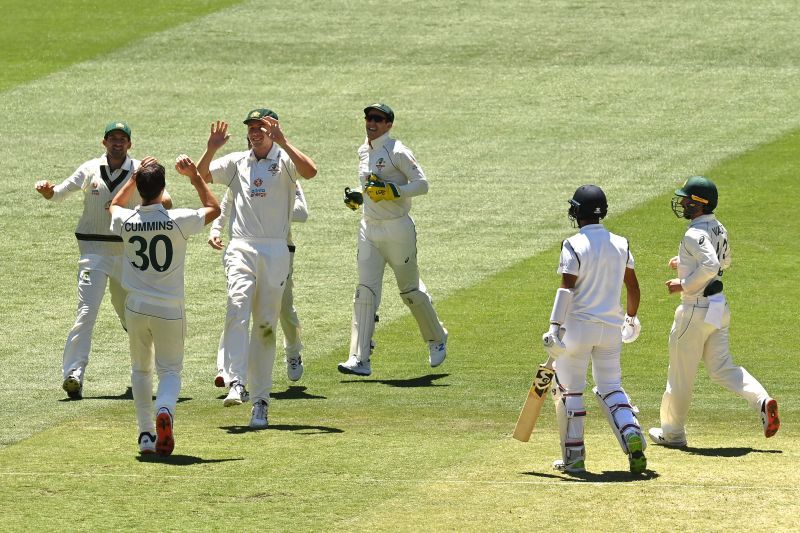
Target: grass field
{"type": "Point", "coordinates": [509, 106]}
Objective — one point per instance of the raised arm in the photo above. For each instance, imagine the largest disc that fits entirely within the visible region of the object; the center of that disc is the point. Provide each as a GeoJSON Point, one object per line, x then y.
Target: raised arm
{"type": "Point", "coordinates": [186, 167]}
{"type": "Point", "coordinates": [216, 140]}
{"type": "Point", "coordinates": [305, 165]}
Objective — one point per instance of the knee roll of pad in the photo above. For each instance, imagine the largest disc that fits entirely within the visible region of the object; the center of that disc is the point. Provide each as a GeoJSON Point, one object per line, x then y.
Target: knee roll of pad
{"type": "Point", "coordinates": [621, 414]}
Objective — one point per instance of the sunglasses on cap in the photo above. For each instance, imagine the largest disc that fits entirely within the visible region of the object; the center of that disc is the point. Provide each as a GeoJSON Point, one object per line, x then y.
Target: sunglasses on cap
{"type": "Point", "coordinates": [375, 118]}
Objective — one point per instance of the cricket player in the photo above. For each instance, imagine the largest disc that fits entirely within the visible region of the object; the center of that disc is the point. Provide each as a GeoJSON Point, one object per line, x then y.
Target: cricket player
{"type": "Point", "coordinates": [290, 323]}
{"type": "Point", "coordinates": [587, 323]}
{"type": "Point", "coordinates": [390, 177]}
{"type": "Point", "coordinates": [155, 251]}
{"type": "Point", "coordinates": [702, 320]}
{"type": "Point", "coordinates": [100, 262]}
{"type": "Point", "coordinates": [257, 260]}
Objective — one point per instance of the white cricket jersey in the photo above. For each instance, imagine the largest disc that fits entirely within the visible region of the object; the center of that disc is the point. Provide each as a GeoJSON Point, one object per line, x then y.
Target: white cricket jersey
{"type": "Point", "coordinates": [99, 185]}
{"type": "Point", "coordinates": [263, 192]}
{"type": "Point", "coordinates": [599, 259]}
{"type": "Point", "coordinates": [392, 162]}
{"type": "Point", "coordinates": [703, 254]}
{"type": "Point", "coordinates": [155, 248]}
{"type": "Point", "coordinates": [299, 214]}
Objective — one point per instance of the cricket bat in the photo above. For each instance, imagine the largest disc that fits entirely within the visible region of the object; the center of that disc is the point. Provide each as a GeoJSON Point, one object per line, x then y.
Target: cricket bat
{"type": "Point", "coordinates": [533, 403]}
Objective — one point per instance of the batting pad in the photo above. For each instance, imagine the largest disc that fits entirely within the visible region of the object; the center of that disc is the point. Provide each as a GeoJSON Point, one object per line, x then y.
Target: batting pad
{"type": "Point", "coordinates": [421, 307]}
{"type": "Point", "coordinates": [621, 415]}
{"type": "Point", "coordinates": [363, 325]}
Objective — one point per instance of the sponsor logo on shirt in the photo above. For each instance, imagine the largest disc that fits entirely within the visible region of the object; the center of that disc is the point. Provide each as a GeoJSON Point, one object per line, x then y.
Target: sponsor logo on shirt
{"type": "Point", "coordinates": [256, 190]}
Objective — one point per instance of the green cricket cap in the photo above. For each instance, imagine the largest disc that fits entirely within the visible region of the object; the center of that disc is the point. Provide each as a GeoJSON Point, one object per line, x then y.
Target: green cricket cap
{"type": "Point", "coordinates": [117, 126]}
{"type": "Point", "coordinates": [258, 114]}
{"type": "Point", "coordinates": [383, 108]}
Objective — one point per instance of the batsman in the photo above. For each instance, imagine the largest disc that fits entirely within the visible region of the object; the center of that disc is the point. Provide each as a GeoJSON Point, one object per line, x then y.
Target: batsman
{"type": "Point", "coordinates": [390, 176]}
{"type": "Point", "coordinates": [587, 323]}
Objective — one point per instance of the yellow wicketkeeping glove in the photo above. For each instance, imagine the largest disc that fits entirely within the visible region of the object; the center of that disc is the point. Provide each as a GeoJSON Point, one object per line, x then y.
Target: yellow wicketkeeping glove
{"type": "Point", "coordinates": [353, 199]}
{"type": "Point", "coordinates": [379, 190]}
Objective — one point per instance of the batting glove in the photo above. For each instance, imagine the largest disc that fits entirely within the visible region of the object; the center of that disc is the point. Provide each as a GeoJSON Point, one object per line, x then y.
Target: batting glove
{"type": "Point", "coordinates": [380, 190]}
{"type": "Point", "coordinates": [552, 342]}
{"type": "Point", "coordinates": [353, 199]}
{"type": "Point", "coordinates": [631, 329]}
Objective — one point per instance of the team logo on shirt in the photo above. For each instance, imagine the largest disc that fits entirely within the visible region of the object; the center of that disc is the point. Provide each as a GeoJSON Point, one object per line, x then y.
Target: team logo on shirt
{"type": "Point", "coordinates": [274, 168]}
{"type": "Point", "coordinates": [95, 185]}
{"type": "Point", "coordinates": [380, 164]}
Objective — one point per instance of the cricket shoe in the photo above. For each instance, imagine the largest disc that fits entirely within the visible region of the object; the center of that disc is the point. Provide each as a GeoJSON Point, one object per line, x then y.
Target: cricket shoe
{"type": "Point", "coordinates": [657, 436]}
{"type": "Point", "coordinates": [636, 459]}
{"type": "Point", "coordinates": [147, 443]}
{"type": "Point", "coordinates": [258, 417]}
{"type": "Point", "coordinates": [354, 366]}
{"type": "Point", "coordinates": [165, 441]}
{"type": "Point", "coordinates": [73, 387]}
{"type": "Point", "coordinates": [219, 380]}
{"type": "Point", "coordinates": [769, 417]}
{"type": "Point", "coordinates": [438, 351]}
{"type": "Point", "coordinates": [237, 395]}
{"type": "Point", "coordinates": [294, 368]}
{"type": "Point", "coordinates": [571, 468]}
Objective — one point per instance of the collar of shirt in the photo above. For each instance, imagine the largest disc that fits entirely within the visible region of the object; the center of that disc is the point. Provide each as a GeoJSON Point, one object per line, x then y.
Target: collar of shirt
{"type": "Point", "coordinates": [273, 155]}
{"type": "Point", "coordinates": [702, 219]}
{"type": "Point", "coordinates": [377, 143]}
{"type": "Point", "coordinates": [591, 227]}
{"type": "Point", "coordinates": [151, 207]}
{"type": "Point", "coordinates": [125, 164]}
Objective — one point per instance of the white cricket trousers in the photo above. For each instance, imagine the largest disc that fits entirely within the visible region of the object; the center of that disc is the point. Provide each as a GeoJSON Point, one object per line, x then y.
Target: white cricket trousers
{"type": "Point", "coordinates": [156, 330]}
{"type": "Point", "coordinates": [596, 341]}
{"type": "Point", "coordinates": [392, 242]}
{"type": "Point", "coordinates": [95, 272]}
{"type": "Point", "coordinates": [290, 325]}
{"type": "Point", "coordinates": [691, 340]}
{"type": "Point", "coordinates": [257, 270]}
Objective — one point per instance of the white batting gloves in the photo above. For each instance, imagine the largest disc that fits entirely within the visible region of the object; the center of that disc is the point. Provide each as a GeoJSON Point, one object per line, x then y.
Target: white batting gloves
{"type": "Point", "coordinates": [552, 342]}
{"type": "Point", "coordinates": [631, 329]}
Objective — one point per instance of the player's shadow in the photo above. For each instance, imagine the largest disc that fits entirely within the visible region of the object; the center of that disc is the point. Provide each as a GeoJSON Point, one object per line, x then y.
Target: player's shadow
{"type": "Point", "coordinates": [127, 395]}
{"type": "Point", "coordinates": [611, 476]}
{"type": "Point", "coordinates": [724, 451]}
{"type": "Point", "coordinates": [422, 381]}
{"type": "Point", "coordinates": [302, 429]}
{"type": "Point", "coordinates": [295, 392]}
{"type": "Point", "coordinates": [181, 460]}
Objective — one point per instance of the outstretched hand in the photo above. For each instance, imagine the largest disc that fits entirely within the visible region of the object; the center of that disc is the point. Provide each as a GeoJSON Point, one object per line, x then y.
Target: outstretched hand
{"type": "Point", "coordinates": [273, 130]}
{"type": "Point", "coordinates": [219, 135]}
{"type": "Point", "coordinates": [186, 167]}
{"type": "Point", "coordinates": [45, 188]}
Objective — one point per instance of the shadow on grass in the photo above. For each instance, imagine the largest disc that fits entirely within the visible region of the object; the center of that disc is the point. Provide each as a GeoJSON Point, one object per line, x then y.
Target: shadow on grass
{"type": "Point", "coordinates": [422, 381]}
{"type": "Point", "coordinates": [724, 452]}
{"type": "Point", "coordinates": [295, 392]}
{"type": "Point", "coordinates": [613, 476]}
{"type": "Point", "coordinates": [180, 460]}
{"type": "Point", "coordinates": [301, 428]}
{"type": "Point", "coordinates": [127, 395]}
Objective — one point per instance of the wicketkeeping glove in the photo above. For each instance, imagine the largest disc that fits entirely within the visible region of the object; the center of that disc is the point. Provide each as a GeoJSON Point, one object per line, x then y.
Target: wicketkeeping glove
{"type": "Point", "coordinates": [631, 329]}
{"type": "Point", "coordinates": [380, 190]}
{"type": "Point", "coordinates": [352, 199]}
{"type": "Point", "coordinates": [552, 342]}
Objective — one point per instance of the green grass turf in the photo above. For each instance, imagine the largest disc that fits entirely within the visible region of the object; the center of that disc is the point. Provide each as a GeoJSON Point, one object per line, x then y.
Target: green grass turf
{"type": "Point", "coordinates": [43, 37]}
{"type": "Point", "coordinates": [507, 115]}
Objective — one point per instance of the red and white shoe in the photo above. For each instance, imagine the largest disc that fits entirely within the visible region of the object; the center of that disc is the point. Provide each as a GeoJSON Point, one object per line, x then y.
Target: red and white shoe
{"type": "Point", "coordinates": [165, 441]}
{"type": "Point", "coordinates": [769, 417]}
